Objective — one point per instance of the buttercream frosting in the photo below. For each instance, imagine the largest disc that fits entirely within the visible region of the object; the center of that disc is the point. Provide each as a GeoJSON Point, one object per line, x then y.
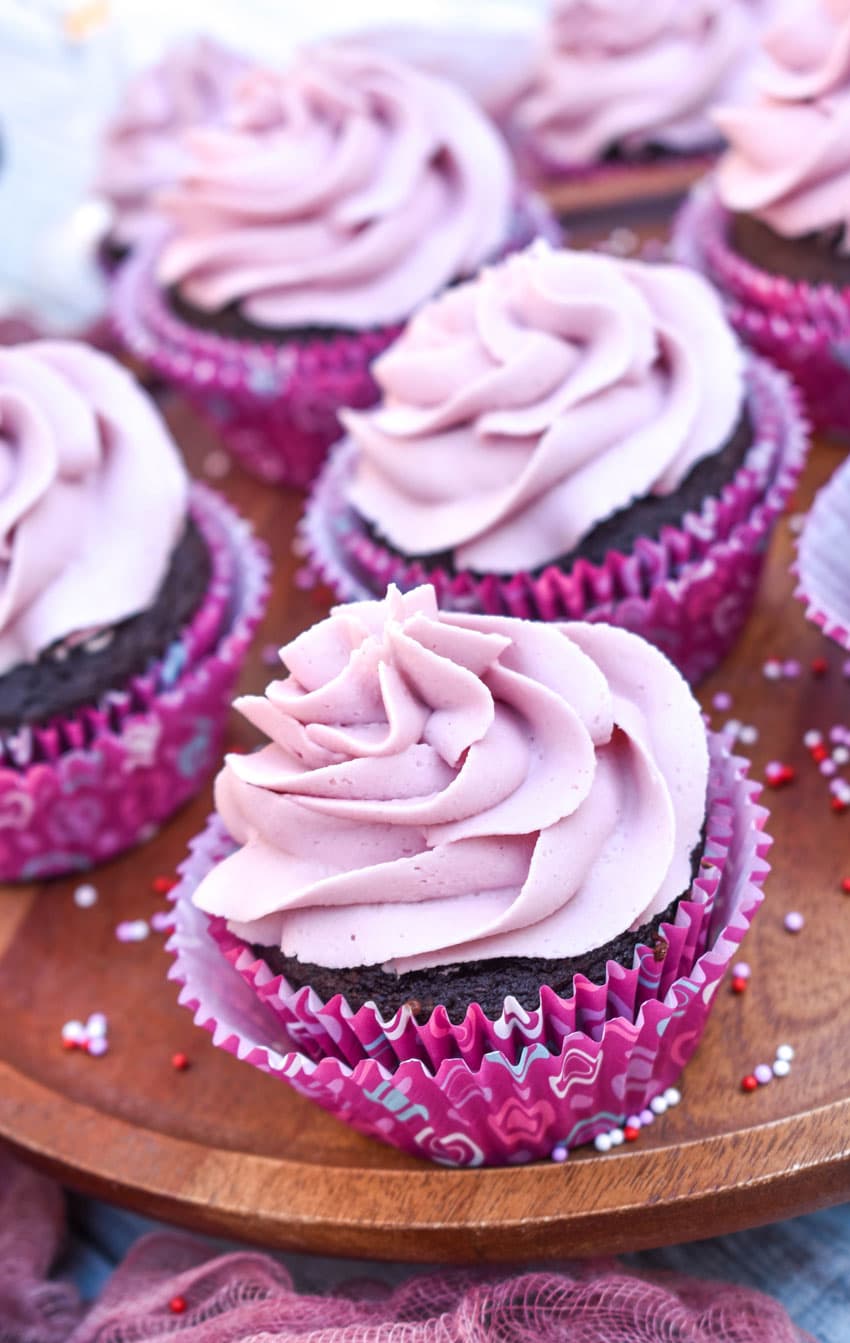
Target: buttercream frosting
{"type": "Point", "coordinates": [141, 151]}
{"type": "Point", "coordinates": [342, 192]}
{"type": "Point", "coordinates": [93, 496]}
{"type": "Point", "coordinates": [523, 408]}
{"type": "Point", "coordinates": [442, 787]}
{"type": "Point", "coordinates": [789, 157]}
{"type": "Point", "coordinates": [625, 74]}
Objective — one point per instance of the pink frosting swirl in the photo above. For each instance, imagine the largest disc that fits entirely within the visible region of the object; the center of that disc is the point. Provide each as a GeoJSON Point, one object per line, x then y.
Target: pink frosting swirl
{"type": "Point", "coordinates": [341, 193]}
{"type": "Point", "coordinates": [527, 406]}
{"type": "Point", "coordinates": [444, 787]}
{"type": "Point", "coordinates": [93, 496]}
{"type": "Point", "coordinates": [630, 73]}
{"type": "Point", "coordinates": [141, 151]}
{"type": "Point", "coordinates": [789, 157]}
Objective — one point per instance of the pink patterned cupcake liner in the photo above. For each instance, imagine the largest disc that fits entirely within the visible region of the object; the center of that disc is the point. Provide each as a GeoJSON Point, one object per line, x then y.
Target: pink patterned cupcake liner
{"type": "Point", "coordinates": [81, 789]}
{"type": "Point", "coordinates": [533, 1089]}
{"type": "Point", "coordinates": [274, 405]}
{"type": "Point", "coordinates": [689, 592]}
{"type": "Point", "coordinates": [823, 559]}
{"type": "Point", "coordinates": [802, 328]}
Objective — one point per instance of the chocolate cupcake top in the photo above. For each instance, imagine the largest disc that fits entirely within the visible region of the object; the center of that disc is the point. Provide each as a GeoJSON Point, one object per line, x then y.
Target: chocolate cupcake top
{"type": "Point", "coordinates": [631, 74]}
{"type": "Point", "coordinates": [442, 788]}
{"type": "Point", "coordinates": [141, 151]}
{"type": "Point", "coordinates": [341, 193]}
{"type": "Point", "coordinates": [525, 407]}
{"type": "Point", "coordinates": [93, 496]}
{"type": "Point", "coordinates": [789, 157]}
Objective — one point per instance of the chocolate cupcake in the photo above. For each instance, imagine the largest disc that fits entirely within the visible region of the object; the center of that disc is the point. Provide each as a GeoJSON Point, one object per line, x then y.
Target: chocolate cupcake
{"type": "Point", "coordinates": [338, 196]}
{"type": "Point", "coordinates": [568, 436]}
{"type": "Point", "coordinates": [127, 599]}
{"type": "Point", "coordinates": [771, 230]}
{"type": "Point", "coordinates": [472, 842]}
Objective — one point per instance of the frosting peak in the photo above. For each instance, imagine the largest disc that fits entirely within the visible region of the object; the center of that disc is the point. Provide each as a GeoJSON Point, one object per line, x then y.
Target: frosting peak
{"type": "Point", "coordinates": [93, 496]}
{"type": "Point", "coordinates": [525, 407]}
{"type": "Point", "coordinates": [441, 787]}
{"type": "Point", "coordinates": [343, 192]}
{"type": "Point", "coordinates": [789, 156]}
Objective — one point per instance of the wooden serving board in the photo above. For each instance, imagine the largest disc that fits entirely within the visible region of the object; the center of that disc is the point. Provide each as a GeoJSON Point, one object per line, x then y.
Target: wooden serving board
{"type": "Point", "coordinates": [226, 1149]}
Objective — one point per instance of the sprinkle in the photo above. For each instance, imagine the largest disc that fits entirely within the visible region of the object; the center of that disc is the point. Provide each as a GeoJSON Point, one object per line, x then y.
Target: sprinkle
{"type": "Point", "coordinates": [772, 669]}
{"type": "Point", "coordinates": [673, 1096]}
{"type": "Point", "coordinates": [179, 1062]}
{"type": "Point", "coordinates": [722, 700]}
{"type": "Point", "coordinates": [96, 1025]}
{"type": "Point", "coordinates": [827, 768]}
{"type": "Point", "coordinates": [819, 753]}
{"type": "Point", "coordinates": [819, 666]}
{"type": "Point", "coordinates": [270, 655]}
{"type": "Point", "coordinates": [97, 1047]}
{"type": "Point", "coordinates": [631, 1132]}
{"type": "Point", "coordinates": [839, 804]}
{"type": "Point", "coordinates": [748, 734]}
{"type": "Point", "coordinates": [845, 885]}
{"type": "Point", "coordinates": [777, 774]}
{"type": "Point", "coordinates": [617, 1137]}
{"type": "Point", "coordinates": [559, 1152]}
{"type": "Point", "coordinates": [793, 921]}
{"type": "Point", "coordinates": [841, 755]}
{"type": "Point", "coordinates": [733, 727]}
{"type": "Point", "coordinates": [216, 464]}
{"type": "Point", "coordinates": [749, 1083]}
{"type": "Point", "coordinates": [177, 1305]}
{"type": "Point", "coordinates": [797, 522]}
{"type": "Point", "coordinates": [647, 1117]}
{"type": "Point", "coordinates": [763, 1073]}
{"type": "Point", "coordinates": [741, 970]}
{"type": "Point", "coordinates": [791, 669]}
{"type": "Point", "coordinates": [73, 1034]}
{"type": "Point", "coordinates": [739, 984]}
{"type": "Point", "coordinates": [164, 884]}
{"type": "Point", "coordinates": [85, 896]}
{"type": "Point", "coordinates": [785, 1053]}
{"type": "Point", "coordinates": [781, 1068]}
{"type": "Point", "coordinates": [812, 739]}
{"type": "Point", "coordinates": [658, 1105]}
{"type": "Point", "coordinates": [162, 920]}
{"type": "Point", "coordinates": [132, 930]}
{"type": "Point", "coordinates": [602, 1142]}
{"type": "Point", "coordinates": [633, 1121]}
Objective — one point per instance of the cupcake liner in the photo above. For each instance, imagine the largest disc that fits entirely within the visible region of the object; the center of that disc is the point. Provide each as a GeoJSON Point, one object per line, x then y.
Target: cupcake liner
{"type": "Point", "coordinates": [802, 328]}
{"type": "Point", "coordinates": [101, 780]}
{"type": "Point", "coordinates": [689, 592]}
{"type": "Point", "coordinates": [823, 560]}
{"type": "Point", "coordinates": [518, 1102]}
{"type": "Point", "coordinates": [274, 405]}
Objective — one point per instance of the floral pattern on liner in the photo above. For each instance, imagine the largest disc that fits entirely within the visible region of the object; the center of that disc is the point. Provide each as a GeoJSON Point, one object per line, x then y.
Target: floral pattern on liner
{"type": "Point", "coordinates": [519, 1102]}
{"type": "Point", "coordinates": [823, 562]}
{"type": "Point", "coordinates": [690, 593]}
{"type": "Point", "coordinates": [106, 779]}
{"type": "Point", "coordinates": [274, 405]}
{"type": "Point", "coordinates": [802, 328]}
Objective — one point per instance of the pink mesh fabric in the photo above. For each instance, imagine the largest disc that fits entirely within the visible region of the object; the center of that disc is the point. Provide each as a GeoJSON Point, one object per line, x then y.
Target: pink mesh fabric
{"type": "Point", "coordinates": [248, 1298]}
{"type": "Point", "coordinates": [32, 1225]}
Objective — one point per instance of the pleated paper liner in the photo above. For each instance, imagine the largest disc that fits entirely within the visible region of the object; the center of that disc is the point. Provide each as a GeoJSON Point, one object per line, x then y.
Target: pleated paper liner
{"type": "Point", "coordinates": [802, 328]}
{"type": "Point", "coordinates": [823, 559]}
{"type": "Point", "coordinates": [525, 1096]}
{"type": "Point", "coordinates": [85, 787]}
{"type": "Point", "coordinates": [275, 405]}
{"type": "Point", "coordinates": [689, 592]}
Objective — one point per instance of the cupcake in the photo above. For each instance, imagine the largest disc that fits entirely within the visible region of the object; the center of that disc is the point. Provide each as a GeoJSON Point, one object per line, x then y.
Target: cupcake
{"type": "Point", "coordinates": [494, 865]}
{"type": "Point", "coordinates": [127, 600]}
{"type": "Point", "coordinates": [569, 436]}
{"type": "Point", "coordinates": [338, 197]}
{"type": "Point", "coordinates": [771, 230]}
{"type": "Point", "coordinates": [141, 152]}
{"type": "Point", "coordinates": [823, 563]}
{"type": "Point", "coordinates": [619, 108]}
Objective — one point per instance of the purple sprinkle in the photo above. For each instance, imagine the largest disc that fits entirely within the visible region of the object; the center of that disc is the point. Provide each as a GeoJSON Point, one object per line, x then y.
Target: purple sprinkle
{"type": "Point", "coordinates": [763, 1073]}
{"type": "Point", "coordinates": [96, 1024]}
{"type": "Point", "coordinates": [827, 767]}
{"type": "Point", "coordinates": [722, 700]}
{"type": "Point", "coordinates": [794, 921]}
{"type": "Point", "coordinates": [647, 1117]}
{"type": "Point", "coordinates": [559, 1153]}
{"type": "Point", "coordinates": [97, 1046]}
{"type": "Point", "coordinates": [791, 668]}
{"type": "Point", "coordinates": [741, 970]}
{"type": "Point", "coordinates": [162, 920]}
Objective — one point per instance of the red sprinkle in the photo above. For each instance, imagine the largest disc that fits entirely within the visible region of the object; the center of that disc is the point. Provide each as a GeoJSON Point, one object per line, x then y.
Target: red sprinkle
{"type": "Point", "coordinates": [179, 1062]}
{"type": "Point", "coordinates": [819, 753]}
{"type": "Point", "coordinates": [838, 804]}
{"type": "Point", "coordinates": [820, 666]}
{"type": "Point", "coordinates": [630, 1133]}
{"type": "Point", "coordinates": [749, 1083]}
{"type": "Point", "coordinates": [177, 1305]}
{"type": "Point", "coordinates": [777, 778]}
{"type": "Point", "coordinates": [68, 1043]}
{"type": "Point", "coordinates": [162, 885]}
{"type": "Point", "coordinates": [845, 885]}
{"type": "Point", "coordinates": [739, 984]}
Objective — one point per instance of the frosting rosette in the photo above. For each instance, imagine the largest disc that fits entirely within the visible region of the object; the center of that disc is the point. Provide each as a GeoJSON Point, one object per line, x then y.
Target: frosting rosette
{"type": "Point", "coordinates": [441, 788]}
{"type": "Point", "coordinates": [93, 496]}
{"type": "Point", "coordinates": [628, 74]}
{"type": "Point", "coordinates": [141, 151]}
{"type": "Point", "coordinates": [789, 157]}
{"type": "Point", "coordinates": [340, 193]}
{"type": "Point", "coordinates": [525, 407]}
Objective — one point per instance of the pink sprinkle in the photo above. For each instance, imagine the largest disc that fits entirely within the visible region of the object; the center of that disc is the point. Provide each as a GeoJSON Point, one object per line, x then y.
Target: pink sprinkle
{"type": "Point", "coordinates": [763, 1073]}
{"type": "Point", "coordinates": [647, 1117]}
{"type": "Point", "coordinates": [791, 668]}
{"type": "Point", "coordinates": [827, 767]}
{"type": "Point", "coordinates": [741, 970]}
{"type": "Point", "coordinates": [97, 1046]}
{"type": "Point", "coordinates": [96, 1024]}
{"type": "Point", "coordinates": [162, 920]}
{"type": "Point", "coordinates": [794, 921]}
{"type": "Point", "coordinates": [722, 700]}
{"type": "Point", "coordinates": [559, 1153]}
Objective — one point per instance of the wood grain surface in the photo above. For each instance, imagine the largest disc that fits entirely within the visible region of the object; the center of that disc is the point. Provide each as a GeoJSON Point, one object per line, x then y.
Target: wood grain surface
{"type": "Point", "coordinates": [226, 1149]}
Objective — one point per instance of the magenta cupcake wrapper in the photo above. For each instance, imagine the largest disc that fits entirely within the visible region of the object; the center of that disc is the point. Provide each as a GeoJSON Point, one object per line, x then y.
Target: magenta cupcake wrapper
{"type": "Point", "coordinates": [802, 328]}
{"type": "Point", "coordinates": [823, 559]}
{"type": "Point", "coordinates": [274, 405]}
{"type": "Point", "coordinates": [104, 780]}
{"type": "Point", "coordinates": [522, 1099]}
{"type": "Point", "coordinates": [689, 592]}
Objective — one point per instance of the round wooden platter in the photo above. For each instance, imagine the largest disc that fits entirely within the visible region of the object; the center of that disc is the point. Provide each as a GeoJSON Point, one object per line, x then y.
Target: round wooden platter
{"type": "Point", "coordinates": [226, 1149]}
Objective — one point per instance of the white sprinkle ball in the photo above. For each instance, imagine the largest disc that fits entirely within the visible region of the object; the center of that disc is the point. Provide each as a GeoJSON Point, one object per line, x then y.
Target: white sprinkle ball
{"type": "Point", "coordinates": [658, 1105]}
{"type": "Point", "coordinates": [602, 1142]}
{"type": "Point", "coordinates": [96, 1025]}
{"type": "Point", "coordinates": [794, 921]}
{"type": "Point", "coordinates": [672, 1096]}
{"type": "Point", "coordinates": [85, 896]}
{"type": "Point", "coordinates": [812, 739]}
{"type": "Point", "coordinates": [73, 1030]}
{"type": "Point", "coordinates": [785, 1053]}
{"type": "Point", "coordinates": [617, 1137]}
{"type": "Point", "coordinates": [772, 670]}
{"type": "Point", "coordinates": [841, 755]}
{"type": "Point", "coordinates": [748, 734]}
{"type": "Point", "coordinates": [781, 1068]}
